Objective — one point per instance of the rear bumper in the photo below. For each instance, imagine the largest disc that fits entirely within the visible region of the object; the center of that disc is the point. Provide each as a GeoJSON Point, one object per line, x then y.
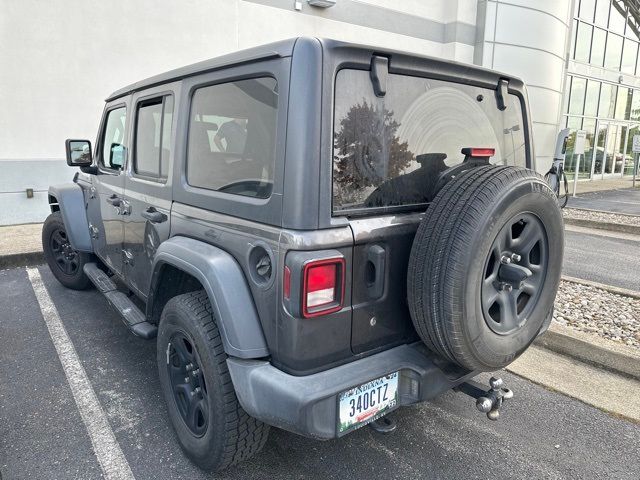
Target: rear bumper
{"type": "Point", "coordinates": [308, 405]}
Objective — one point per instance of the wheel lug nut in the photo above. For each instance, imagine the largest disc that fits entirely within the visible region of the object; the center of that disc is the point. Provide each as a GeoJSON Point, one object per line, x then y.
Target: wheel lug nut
{"type": "Point", "coordinates": [195, 372]}
{"type": "Point", "coordinates": [196, 391]}
{"type": "Point", "coordinates": [515, 257]}
{"type": "Point", "coordinates": [188, 367]}
{"type": "Point", "coordinates": [505, 259]}
{"type": "Point", "coordinates": [506, 287]}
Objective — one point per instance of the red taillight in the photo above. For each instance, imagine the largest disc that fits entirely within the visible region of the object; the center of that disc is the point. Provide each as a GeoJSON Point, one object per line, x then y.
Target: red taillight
{"type": "Point", "coordinates": [483, 152]}
{"type": "Point", "coordinates": [322, 288]}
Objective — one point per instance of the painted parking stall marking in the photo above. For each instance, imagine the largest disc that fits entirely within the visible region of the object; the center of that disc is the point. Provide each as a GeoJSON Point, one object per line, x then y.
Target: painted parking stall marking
{"type": "Point", "coordinates": [112, 461]}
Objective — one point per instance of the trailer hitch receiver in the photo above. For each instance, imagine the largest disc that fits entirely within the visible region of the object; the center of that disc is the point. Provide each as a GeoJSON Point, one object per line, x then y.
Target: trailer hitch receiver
{"type": "Point", "coordinates": [489, 400]}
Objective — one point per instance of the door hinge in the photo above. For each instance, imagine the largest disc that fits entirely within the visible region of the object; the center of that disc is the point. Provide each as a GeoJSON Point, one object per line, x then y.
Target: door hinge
{"type": "Point", "coordinates": [127, 257]}
{"type": "Point", "coordinates": [94, 232]}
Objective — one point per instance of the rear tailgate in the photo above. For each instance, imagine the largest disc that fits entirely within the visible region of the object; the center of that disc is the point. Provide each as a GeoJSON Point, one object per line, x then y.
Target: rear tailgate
{"type": "Point", "coordinates": [379, 286]}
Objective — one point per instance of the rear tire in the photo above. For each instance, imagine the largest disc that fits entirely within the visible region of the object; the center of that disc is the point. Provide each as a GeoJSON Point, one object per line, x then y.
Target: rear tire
{"type": "Point", "coordinates": [65, 263]}
{"type": "Point", "coordinates": [485, 266]}
{"type": "Point", "coordinates": [212, 428]}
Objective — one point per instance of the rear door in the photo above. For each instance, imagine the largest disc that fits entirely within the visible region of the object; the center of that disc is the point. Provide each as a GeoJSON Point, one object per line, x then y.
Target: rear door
{"type": "Point", "coordinates": [148, 184]}
{"type": "Point", "coordinates": [389, 153]}
{"type": "Point", "coordinates": [105, 206]}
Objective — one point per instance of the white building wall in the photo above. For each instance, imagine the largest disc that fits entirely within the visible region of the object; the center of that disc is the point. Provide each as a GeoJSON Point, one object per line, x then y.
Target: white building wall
{"type": "Point", "coordinates": [59, 60]}
{"type": "Point", "coordinates": [529, 39]}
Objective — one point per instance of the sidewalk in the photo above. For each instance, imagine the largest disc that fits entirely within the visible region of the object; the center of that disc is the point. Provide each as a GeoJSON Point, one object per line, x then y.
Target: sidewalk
{"type": "Point", "coordinates": [20, 245]}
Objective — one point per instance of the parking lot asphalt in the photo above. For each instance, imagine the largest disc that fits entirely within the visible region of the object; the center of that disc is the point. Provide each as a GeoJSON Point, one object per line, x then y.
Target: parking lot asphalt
{"type": "Point", "coordinates": [605, 257]}
{"type": "Point", "coordinates": [541, 434]}
{"type": "Point", "coordinates": [624, 200]}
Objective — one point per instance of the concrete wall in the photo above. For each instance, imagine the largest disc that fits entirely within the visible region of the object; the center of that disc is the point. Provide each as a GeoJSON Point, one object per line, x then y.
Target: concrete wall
{"type": "Point", "coordinates": [529, 39]}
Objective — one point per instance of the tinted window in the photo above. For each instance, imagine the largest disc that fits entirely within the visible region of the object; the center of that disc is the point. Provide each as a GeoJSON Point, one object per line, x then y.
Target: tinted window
{"type": "Point", "coordinates": [112, 155]}
{"type": "Point", "coordinates": [232, 134]}
{"type": "Point", "coordinates": [153, 137]}
{"type": "Point", "coordinates": [390, 151]}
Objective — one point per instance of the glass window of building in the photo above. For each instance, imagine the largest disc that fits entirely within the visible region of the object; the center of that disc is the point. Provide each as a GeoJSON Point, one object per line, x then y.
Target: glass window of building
{"type": "Point", "coordinates": [589, 126]}
{"type": "Point", "coordinates": [597, 48]}
{"type": "Point", "coordinates": [635, 105]}
{"type": "Point", "coordinates": [607, 100]}
{"type": "Point", "coordinates": [591, 98]}
{"type": "Point", "coordinates": [583, 42]}
{"type": "Point", "coordinates": [574, 123]}
{"type": "Point", "coordinates": [632, 25]}
{"type": "Point", "coordinates": [630, 156]}
{"type": "Point", "coordinates": [623, 103]}
{"type": "Point", "coordinates": [576, 98]}
{"type": "Point", "coordinates": [602, 12]}
{"type": "Point", "coordinates": [629, 56]}
{"type": "Point", "coordinates": [586, 9]}
{"type": "Point", "coordinates": [617, 17]}
{"type": "Point", "coordinates": [614, 52]}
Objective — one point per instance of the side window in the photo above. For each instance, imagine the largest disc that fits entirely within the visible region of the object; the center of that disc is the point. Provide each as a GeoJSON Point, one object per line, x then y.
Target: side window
{"type": "Point", "coordinates": [113, 148]}
{"type": "Point", "coordinates": [153, 137]}
{"type": "Point", "coordinates": [232, 134]}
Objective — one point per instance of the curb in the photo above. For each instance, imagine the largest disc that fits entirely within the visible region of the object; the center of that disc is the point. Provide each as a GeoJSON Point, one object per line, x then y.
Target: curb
{"type": "Point", "coordinates": [598, 352]}
{"type": "Point", "coordinates": [613, 227]}
{"type": "Point", "coordinates": [26, 259]}
{"type": "Point", "coordinates": [609, 288]}
{"type": "Point", "coordinates": [603, 211]}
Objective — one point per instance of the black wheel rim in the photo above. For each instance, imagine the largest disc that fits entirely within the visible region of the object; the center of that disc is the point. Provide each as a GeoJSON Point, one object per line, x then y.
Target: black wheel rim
{"type": "Point", "coordinates": [64, 256]}
{"type": "Point", "coordinates": [514, 273]}
{"type": "Point", "coordinates": [188, 385]}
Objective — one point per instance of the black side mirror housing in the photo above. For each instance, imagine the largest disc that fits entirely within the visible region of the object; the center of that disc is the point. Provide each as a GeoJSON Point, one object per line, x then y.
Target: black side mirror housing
{"type": "Point", "coordinates": [78, 153]}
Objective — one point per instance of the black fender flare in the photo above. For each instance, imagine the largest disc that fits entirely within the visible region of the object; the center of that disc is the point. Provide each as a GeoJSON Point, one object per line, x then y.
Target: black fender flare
{"type": "Point", "coordinates": [226, 286]}
{"type": "Point", "coordinates": [70, 198]}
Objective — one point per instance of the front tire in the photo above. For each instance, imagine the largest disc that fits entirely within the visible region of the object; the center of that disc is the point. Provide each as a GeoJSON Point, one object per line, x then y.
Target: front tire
{"type": "Point", "coordinates": [212, 428]}
{"type": "Point", "coordinates": [65, 263]}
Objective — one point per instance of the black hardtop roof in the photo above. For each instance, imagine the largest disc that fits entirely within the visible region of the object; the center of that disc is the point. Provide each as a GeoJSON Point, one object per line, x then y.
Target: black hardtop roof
{"type": "Point", "coordinates": [285, 48]}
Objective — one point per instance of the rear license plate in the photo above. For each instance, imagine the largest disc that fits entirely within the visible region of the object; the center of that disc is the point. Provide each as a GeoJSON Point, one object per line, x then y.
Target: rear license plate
{"type": "Point", "coordinates": [367, 402]}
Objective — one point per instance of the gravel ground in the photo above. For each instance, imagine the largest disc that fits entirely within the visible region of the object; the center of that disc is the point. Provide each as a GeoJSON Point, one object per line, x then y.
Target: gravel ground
{"type": "Point", "coordinates": [593, 310]}
{"type": "Point", "coordinates": [601, 216]}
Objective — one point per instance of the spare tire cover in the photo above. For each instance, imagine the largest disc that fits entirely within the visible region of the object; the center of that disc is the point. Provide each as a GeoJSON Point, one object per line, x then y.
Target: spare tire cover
{"type": "Point", "coordinates": [485, 266]}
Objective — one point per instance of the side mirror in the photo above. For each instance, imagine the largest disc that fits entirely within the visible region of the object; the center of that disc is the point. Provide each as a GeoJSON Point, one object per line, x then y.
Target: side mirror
{"type": "Point", "coordinates": [78, 153]}
{"type": "Point", "coordinates": [116, 155]}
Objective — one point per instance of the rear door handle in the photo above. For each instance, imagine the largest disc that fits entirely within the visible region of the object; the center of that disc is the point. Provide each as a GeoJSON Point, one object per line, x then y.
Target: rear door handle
{"type": "Point", "coordinates": [153, 215]}
{"type": "Point", "coordinates": [114, 200]}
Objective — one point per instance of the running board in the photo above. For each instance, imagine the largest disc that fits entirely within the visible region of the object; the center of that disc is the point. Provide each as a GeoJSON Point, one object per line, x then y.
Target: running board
{"type": "Point", "coordinates": [132, 316]}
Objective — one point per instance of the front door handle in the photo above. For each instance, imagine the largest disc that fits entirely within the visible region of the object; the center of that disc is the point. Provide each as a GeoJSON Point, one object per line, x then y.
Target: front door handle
{"type": "Point", "coordinates": [153, 215]}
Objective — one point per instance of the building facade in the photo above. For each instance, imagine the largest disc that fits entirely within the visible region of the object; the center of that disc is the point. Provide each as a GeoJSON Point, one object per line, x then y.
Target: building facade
{"type": "Point", "coordinates": [58, 64]}
{"type": "Point", "coordinates": [603, 86]}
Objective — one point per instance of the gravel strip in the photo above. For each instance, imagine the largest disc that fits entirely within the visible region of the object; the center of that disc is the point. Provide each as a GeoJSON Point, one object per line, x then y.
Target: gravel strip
{"type": "Point", "coordinates": [607, 217]}
{"type": "Point", "coordinates": [593, 310]}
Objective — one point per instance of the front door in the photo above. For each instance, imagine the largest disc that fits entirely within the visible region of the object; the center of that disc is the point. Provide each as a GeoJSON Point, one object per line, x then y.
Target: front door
{"type": "Point", "coordinates": [105, 204]}
{"type": "Point", "coordinates": [148, 188]}
{"type": "Point", "coordinates": [609, 152]}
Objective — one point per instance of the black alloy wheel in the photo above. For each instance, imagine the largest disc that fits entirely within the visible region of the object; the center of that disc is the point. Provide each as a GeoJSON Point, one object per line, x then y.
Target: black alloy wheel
{"type": "Point", "coordinates": [515, 272]}
{"type": "Point", "coordinates": [188, 383]}
{"type": "Point", "coordinates": [66, 258]}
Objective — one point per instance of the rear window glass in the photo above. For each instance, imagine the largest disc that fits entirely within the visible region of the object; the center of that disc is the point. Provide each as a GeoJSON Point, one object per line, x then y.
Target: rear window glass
{"type": "Point", "coordinates": [232, 133]}
{"type": "Point", "coordinates": [390, 151]}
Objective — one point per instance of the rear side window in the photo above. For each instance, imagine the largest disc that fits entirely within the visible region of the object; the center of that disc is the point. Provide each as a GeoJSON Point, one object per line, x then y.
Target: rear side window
{"type": "Point", "coordinates": [113, 148]}
{"type": "Point", "coordinates": [390, 151]}
{"type": "Point", "coordinates": [232, 134]}
{"type": "Point", "coordinates": [153, 137]}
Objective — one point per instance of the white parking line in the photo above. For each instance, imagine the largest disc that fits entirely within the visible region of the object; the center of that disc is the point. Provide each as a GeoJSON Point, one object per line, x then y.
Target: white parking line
{"type": "Point", "coordinates": [110, 457]}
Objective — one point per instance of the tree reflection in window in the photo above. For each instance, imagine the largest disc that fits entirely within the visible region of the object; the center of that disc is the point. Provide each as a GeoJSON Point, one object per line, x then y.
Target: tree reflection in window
{"type": "Point", "coordinates": [367, 151]}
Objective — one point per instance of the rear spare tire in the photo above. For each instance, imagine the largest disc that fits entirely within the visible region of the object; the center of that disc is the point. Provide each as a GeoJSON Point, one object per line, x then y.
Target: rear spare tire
{"type": "Point", "coordinates": [485, 266]}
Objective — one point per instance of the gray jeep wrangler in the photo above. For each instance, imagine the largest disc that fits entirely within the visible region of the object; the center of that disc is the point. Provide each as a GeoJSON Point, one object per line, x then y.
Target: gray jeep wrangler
{"type": "Point", "coordinates": [317, 233]}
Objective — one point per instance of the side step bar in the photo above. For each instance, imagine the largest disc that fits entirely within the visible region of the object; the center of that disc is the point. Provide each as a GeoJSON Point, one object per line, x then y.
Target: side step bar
{"type": "Point", "coordinates": [132, 316]}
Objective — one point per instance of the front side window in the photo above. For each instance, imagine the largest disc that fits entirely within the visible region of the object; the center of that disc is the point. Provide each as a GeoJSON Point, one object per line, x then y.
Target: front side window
{"type": "Point", "coordinates": [232, 135]}
{"type": "Point", "coordinates": [390, 151]}
{"type": "Point", "coordinates": [153, 137]}
{"type": "Point", "coordinates": [113, 144]}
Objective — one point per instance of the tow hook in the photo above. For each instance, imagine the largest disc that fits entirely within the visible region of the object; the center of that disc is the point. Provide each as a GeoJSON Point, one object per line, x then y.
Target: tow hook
{"type": "Point", "coordinates": [487, 401]}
